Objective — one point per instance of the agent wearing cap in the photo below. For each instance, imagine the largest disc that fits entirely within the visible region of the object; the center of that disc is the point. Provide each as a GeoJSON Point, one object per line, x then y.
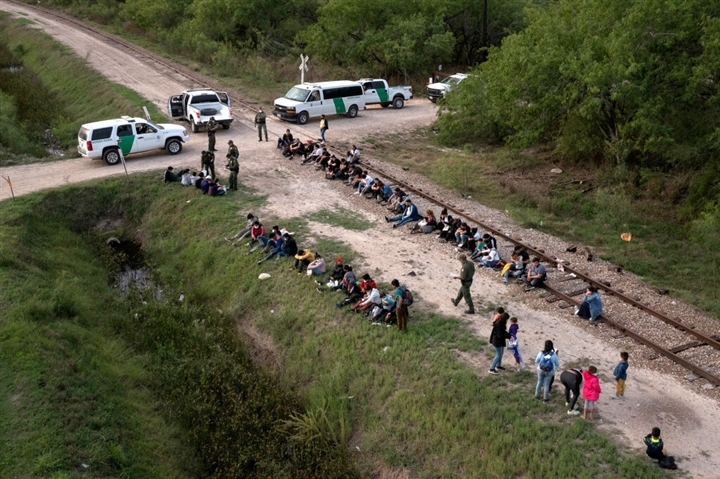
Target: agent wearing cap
{"type": "Point", "coordinates": [466, 278]}
{"type": "Point", "coordinates": [260, 123]}
{"type": "Point", "coordinates": [212, 127]}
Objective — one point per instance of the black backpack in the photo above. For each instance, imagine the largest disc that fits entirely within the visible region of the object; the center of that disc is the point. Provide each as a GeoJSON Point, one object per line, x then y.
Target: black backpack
{"type": "Point", "coordinates": [667, 462]}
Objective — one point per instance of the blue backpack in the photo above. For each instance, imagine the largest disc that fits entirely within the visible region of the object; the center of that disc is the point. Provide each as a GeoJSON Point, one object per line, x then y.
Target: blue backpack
{"type": "Point", "coordinates": [546, 363]}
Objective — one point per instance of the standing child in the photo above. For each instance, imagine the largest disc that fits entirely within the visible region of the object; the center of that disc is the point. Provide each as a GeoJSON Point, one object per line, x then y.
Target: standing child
{"type": "Point", "coordinates": [591, 391]}
{"type": "Point", "coordinates": [519, 365]}
{"type": "Point", "coordinates": [620, 374]}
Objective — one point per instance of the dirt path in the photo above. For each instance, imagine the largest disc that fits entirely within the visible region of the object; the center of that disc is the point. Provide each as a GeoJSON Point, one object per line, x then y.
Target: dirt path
{"type": "Point", "coordinates": [689, 421]}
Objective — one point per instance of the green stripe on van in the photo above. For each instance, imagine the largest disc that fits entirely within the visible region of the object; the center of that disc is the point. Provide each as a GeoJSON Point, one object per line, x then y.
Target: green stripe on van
{"type": "Point", "coordinates": [339, 106]}
{"type": "Point", "coordinates": [383, 94]}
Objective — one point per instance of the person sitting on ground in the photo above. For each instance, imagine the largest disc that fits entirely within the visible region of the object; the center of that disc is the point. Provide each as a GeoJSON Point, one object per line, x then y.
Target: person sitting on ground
{"type": "Point", "coordinates": [245, 232]}
{"type": "Point", "coordinates": [289, 246]}
{"type": "Point", "coordinates": [354, 175]}
{"type": "Point", "coordinates": [256, 230]}
{"type": "Point", "coordinates": [205, 185]}
{"type": "Point", "coordinates": [302, 259]}
{"type": "Point", "coordinates": [199, 180]}
{"type": "Point", "coordinates": [473, 239]}
{"type": "Point", "coordinates": [295, 148]}
{"type": "Point", "coordinates": [490, 241]}
{"type": "Point", "coordinates": [369, 300]}
{"type": "Point", "coordinates": [387, 305]}
{"type": "Point", "coordinates": [216, 189]}
{"type": "Point", "coordinates": [186, 178]}
{"type": "Point", "coordinates": [336, 275]}
{"type": "Point", "coordinates": [377, 191]}
{"type": "Point", "coordinates": [490, 259]}
{"type": "Point", "coordinates": [461, 234]}
{"type": "Point", "coordinates": [365, 184]}
{"type": "Point", "coordinates": [170, 176]}
{"type": "Point", "coordinates": [656, 450]}
{"type": "Point", "coordinates": [395, 200]}
{"type": "Point", "coordinates": [536, 275]}
{"type": "Point", "coordinates": [449, 234]}
{"type": "Point", "coordinates": [278, 241]}
{"type": "Point", "coordinates": [591, 306]}
{"type": "Point", "coordinates": [317, 267]}
{"type": "Point", "coordinates": [367, 283]}
{"type": "Point", "coordinates": [343, 171]}
{"type": "Point", "coordinates": [426, 225]}
{"type": "Point", "coordinates": [265, 240]}
{"type": "Point", "coordinates": [354, 155]}
{"type": "Point", "coordinates": [286, 140]}
{"type": "Point", "coordinates": [409, 215]}
{"type": "Point", "coordinates": [315, 155]}
{"type": "Point", "coordinates": [522, 251]}
{"type": "Point", "coordinates": [514, 268]}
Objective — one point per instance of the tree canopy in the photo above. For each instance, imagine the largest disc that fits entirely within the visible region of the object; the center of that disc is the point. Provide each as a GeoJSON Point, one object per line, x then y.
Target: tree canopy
{"type": "Point", "coordinates": [633, 82]}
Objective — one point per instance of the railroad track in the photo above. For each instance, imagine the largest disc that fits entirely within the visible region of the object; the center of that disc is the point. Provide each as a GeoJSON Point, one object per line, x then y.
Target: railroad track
{"type": "Point", "coordinates": [576, 282]}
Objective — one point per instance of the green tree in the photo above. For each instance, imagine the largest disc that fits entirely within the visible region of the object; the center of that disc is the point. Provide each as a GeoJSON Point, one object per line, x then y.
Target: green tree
{"type": "Point", "coordinates": [631, 82]}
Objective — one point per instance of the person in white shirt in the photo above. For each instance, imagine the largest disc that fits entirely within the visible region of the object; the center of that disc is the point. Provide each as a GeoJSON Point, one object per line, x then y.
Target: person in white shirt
{"type": "Point", "coordinates": [354, 156]}
{"type": "Point", "coordinates": [371, 299]}
{"type": "Point", "coordinates": [491, 258]}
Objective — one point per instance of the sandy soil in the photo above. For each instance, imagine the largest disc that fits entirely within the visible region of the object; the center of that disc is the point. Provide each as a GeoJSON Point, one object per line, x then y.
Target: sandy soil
{"type": "Point", "coordinates": [689, 421]}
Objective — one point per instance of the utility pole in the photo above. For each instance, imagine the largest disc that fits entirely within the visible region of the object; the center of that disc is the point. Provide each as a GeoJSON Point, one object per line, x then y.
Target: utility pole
{"type": "Point", "coordinates": [303, 67]}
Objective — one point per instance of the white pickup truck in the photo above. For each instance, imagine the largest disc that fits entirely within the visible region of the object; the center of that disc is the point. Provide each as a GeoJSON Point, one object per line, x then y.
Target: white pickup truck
{"type": "Point", "coordinates": [378, 91]}
{"type": "Point", "coordinates": [198, 105]}
{"type": "Point", "coordinates": [436, 91]}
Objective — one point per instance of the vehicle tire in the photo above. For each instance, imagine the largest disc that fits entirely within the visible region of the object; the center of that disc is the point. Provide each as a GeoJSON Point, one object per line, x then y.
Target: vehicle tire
{"type": "Point", "coordinates": [398, 102]}
{"type": "Point", "coordinates": [195, 126]}
{"type": "Point", "coordinates": [352, 111]}
{"type": "Point", "coordinates": [302, 118]}
{"type": "Point", "coordinates": [111, 156]}
{"type": "Point", "coordinates": [226, 126]}
{"type": "Point", "coordinates": [173, 146]}
{"type": "Point", "coordinates": [385, 104]}
{"type": "Point", "coordinates": [434, 100]}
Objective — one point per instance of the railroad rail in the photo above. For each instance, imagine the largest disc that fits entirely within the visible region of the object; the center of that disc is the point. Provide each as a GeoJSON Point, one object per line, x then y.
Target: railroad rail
{"type": "Point", "coordinates": [163, 66]}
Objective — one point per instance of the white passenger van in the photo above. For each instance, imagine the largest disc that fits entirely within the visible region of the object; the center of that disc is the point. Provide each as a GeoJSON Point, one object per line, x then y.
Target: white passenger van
{"type": "Point", "coordinates": [310, 100]}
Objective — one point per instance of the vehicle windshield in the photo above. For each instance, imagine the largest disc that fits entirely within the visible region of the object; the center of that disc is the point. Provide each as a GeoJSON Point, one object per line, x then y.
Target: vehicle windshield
{"type": "Point", "coordinates": [452, 80]}
{"type": "Point", "coordinates": [297, 94]}
{"type": "Point", "coordinates": [205, 98]}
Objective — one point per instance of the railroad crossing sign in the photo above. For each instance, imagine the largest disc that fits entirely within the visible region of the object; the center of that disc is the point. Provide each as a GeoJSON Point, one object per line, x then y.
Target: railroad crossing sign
{"type": "Point", "coordinates": [303, 67]}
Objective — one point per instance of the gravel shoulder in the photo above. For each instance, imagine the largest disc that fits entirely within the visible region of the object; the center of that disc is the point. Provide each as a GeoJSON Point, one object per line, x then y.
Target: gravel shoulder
{"type": "Point", "coordinates": [656, 392]}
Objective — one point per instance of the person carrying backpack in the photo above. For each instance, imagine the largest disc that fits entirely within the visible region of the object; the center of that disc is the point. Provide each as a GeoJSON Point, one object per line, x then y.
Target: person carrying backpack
{"type": "Point", "coordinates": [656, 450]}
{"type": "Point", "coordinates": [403, 299]}
{"type": "Point", "coordinates": [547, 362]}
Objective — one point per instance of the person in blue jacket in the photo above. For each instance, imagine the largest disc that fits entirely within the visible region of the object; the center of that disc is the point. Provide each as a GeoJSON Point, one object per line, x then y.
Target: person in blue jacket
{"type": "Point", "coordinates": [409, 215]}
{"type": "Point", "coordinates": [591, 307]}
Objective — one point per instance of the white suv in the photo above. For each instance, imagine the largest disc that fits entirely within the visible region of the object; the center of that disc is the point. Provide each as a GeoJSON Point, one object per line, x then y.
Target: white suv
{"type": "Point", "coordinates": [105, 139]}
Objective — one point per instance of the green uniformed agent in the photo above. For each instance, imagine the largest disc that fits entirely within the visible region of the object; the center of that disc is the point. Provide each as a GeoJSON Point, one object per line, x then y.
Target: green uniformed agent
{"type": "Point", "coordinates": [207, 160]}
{"type": "Point", "coordinates": [212, 127]}
{"type": "Point", "coordinates": [260, 122]}
{"type": "Point", "coordinates": [466, 278]}
{"type": "Point", "coordinates": [233, 150]}
{"type": "Point", "coordinates": [234, 167]}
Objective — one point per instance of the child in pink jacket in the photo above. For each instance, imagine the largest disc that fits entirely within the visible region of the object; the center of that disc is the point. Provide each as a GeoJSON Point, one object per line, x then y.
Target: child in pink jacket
{"type": "Point", "coordinates": [591, 391]}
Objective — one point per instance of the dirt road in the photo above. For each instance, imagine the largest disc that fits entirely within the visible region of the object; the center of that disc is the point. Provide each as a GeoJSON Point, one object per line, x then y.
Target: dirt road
{"type": "Point", "coordinates": [690, 421]}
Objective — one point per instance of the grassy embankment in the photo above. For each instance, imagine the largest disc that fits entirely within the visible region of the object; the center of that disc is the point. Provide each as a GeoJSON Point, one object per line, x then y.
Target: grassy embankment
{"type": "Point", "coordinates": [404, 400]}
{"type": "Point", "coordinates": [665, 251]}
{"type": "Point", "coordinates": [49, 87]}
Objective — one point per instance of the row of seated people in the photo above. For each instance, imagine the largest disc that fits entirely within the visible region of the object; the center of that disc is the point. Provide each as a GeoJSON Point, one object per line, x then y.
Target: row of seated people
{"type": "Point", "coordinates": [312, 150]}
{"type": "Point", "coordinates": [201, 180]}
